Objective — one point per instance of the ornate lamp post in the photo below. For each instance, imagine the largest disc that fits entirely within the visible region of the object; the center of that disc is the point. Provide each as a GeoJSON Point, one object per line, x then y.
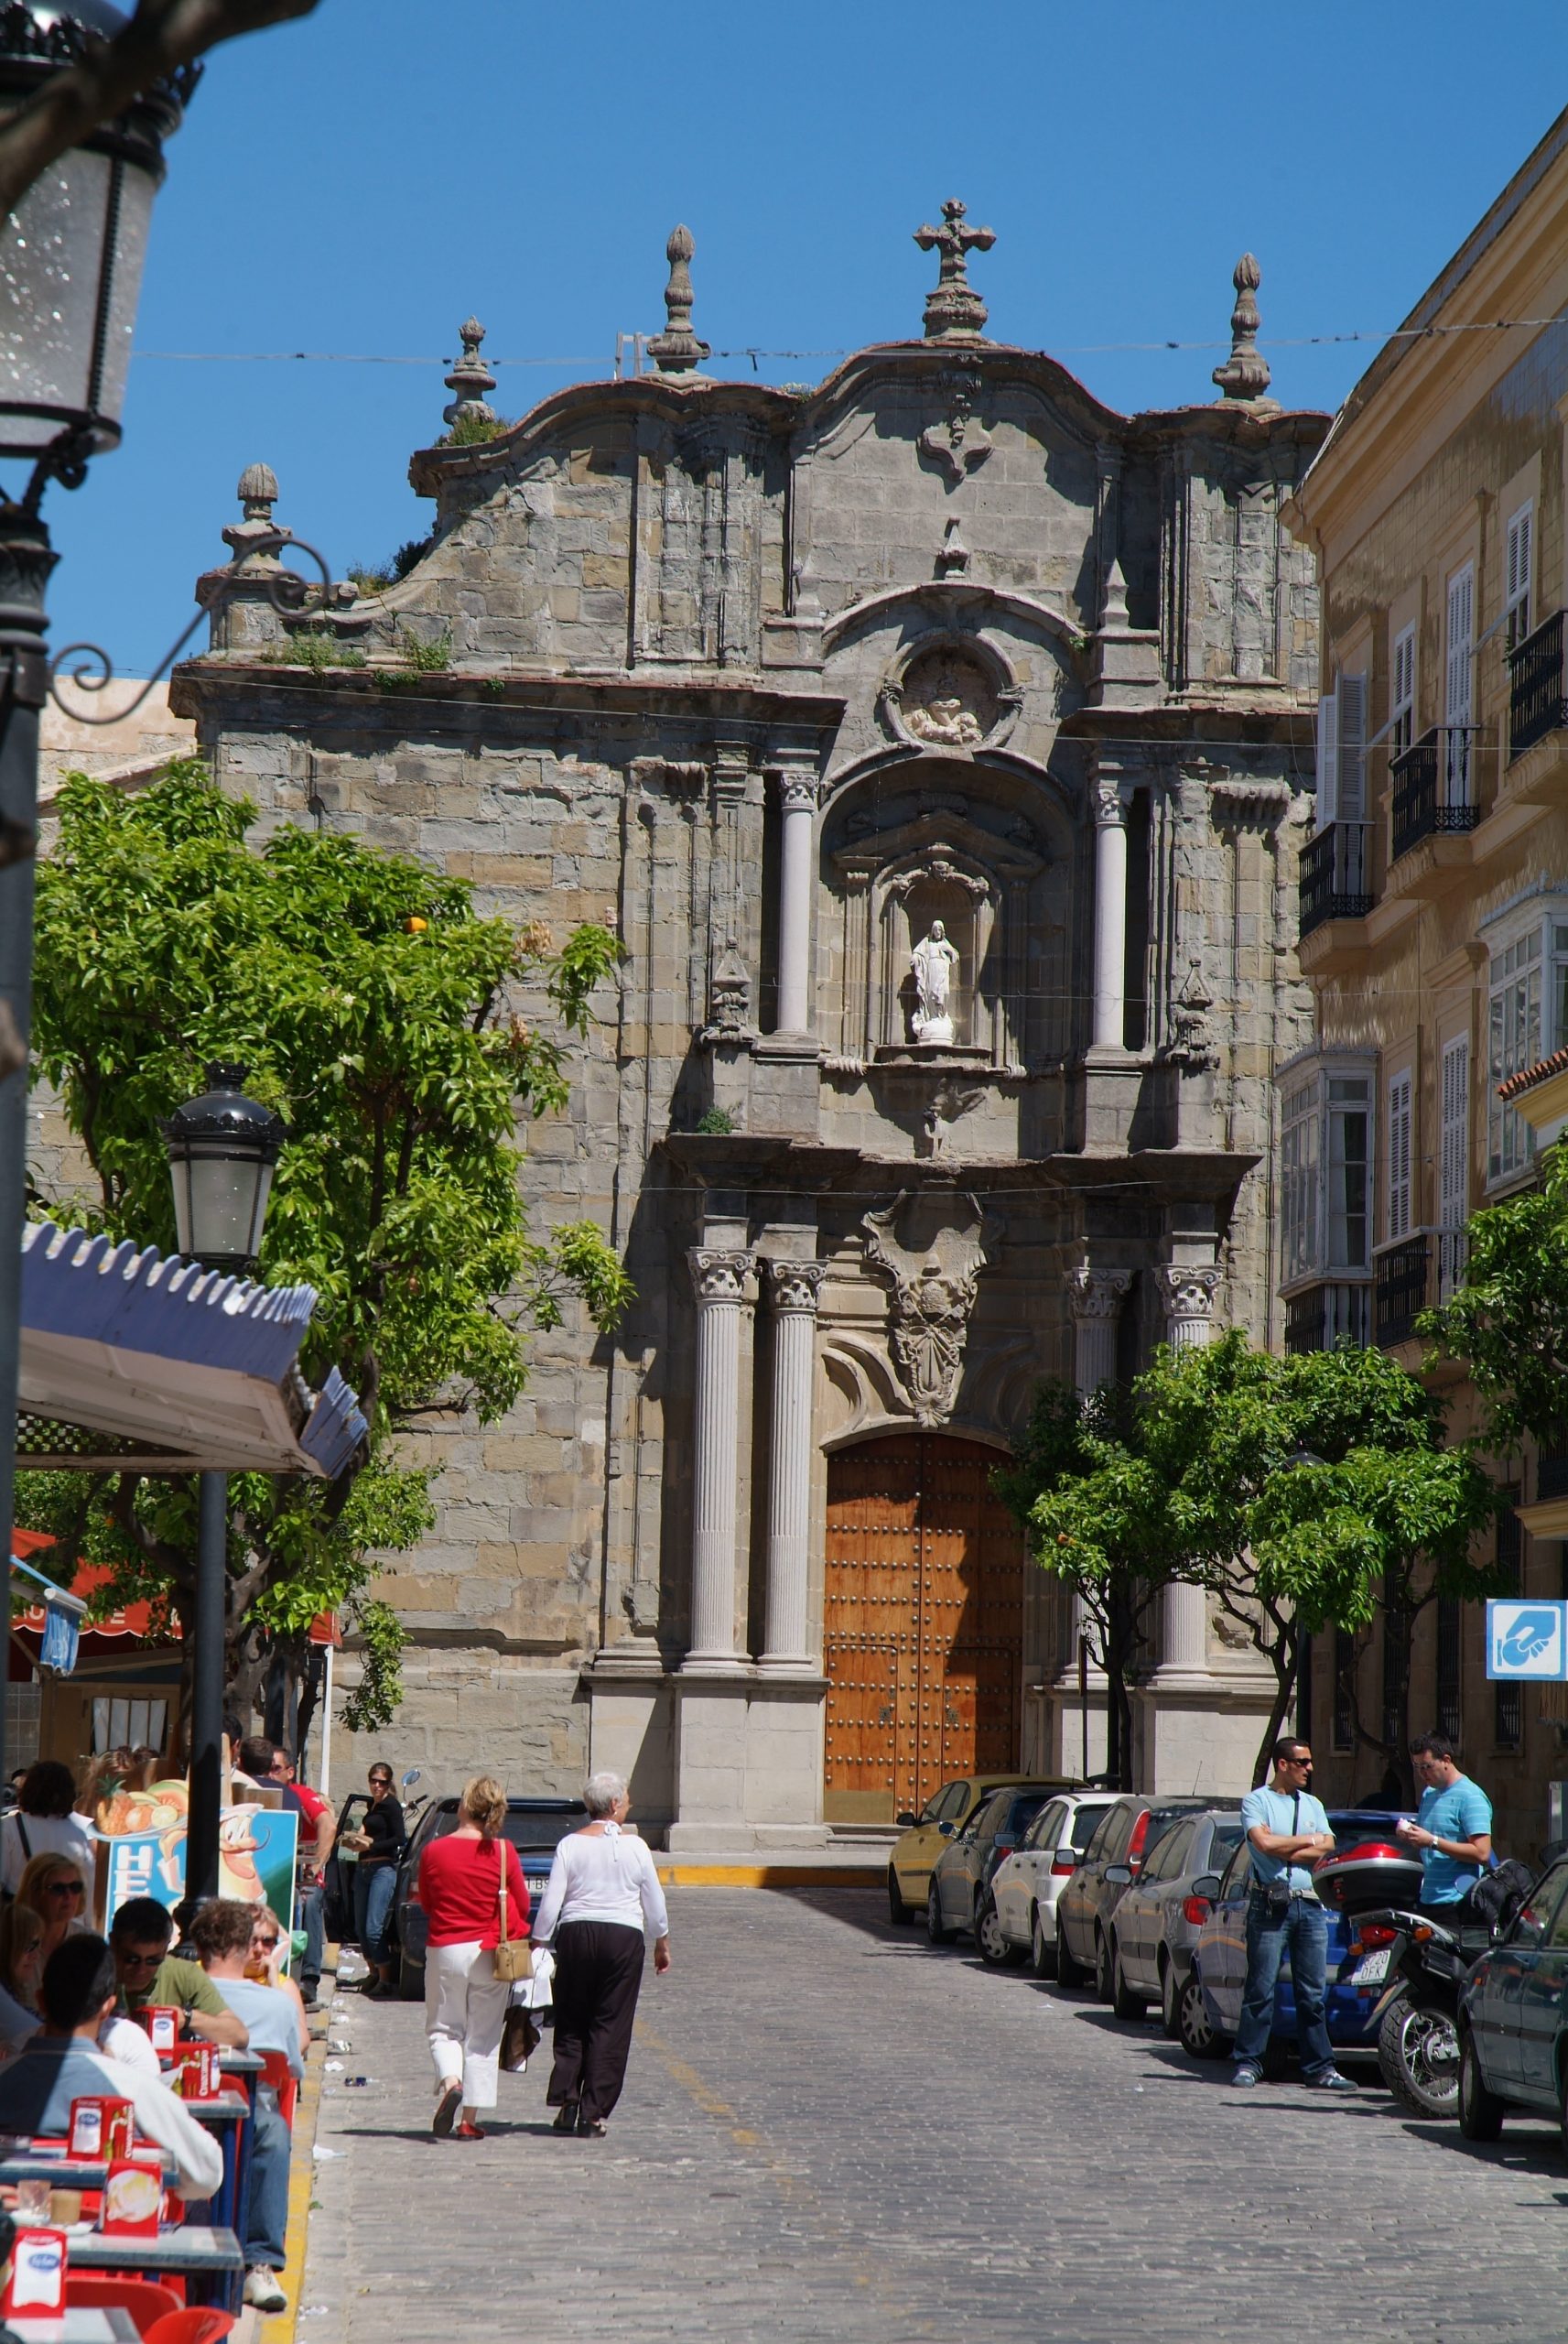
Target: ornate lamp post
{"type": "Point", "coordinates": [70, 273]}
{"type": "Point", "coordinates": [222, 1150]}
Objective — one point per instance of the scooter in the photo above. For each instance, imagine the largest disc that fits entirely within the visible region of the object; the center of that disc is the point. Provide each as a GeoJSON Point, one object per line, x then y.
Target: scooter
{"type": "Point", "coordinates": [1427, 1966]}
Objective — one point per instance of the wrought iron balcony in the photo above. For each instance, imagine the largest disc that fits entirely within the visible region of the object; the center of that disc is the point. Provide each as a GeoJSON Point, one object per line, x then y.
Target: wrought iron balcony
{"type": "Point", "coordinates": [1399, 1278]}
{"type": "Point", "coordinates": [1319, 1317]}
{"type": "Point", "coordinates": [1336, 875]}
{"type": "Point", "coordinates": [1538, 702]}
{"type": "Point", "coordinates": [1432, 791]}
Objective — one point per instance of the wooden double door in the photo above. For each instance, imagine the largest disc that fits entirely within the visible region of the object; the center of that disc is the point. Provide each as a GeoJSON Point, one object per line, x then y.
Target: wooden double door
{"type": "Point", "coordinates": [922, 1623]}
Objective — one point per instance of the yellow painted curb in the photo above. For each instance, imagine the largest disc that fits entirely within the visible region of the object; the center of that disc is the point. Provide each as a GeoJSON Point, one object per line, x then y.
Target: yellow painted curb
{"type": "Point", "coordinates": [679, 1875]}
{"type": "Point", "coordinates": [280, 2329]}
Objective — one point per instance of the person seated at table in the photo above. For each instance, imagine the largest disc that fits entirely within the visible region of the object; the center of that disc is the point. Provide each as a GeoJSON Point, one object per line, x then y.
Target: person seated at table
{"type": "Point", "coordinates": [222, 1933]}
{"type": "Point", "coordinates": [55, 1888]}
{"type": "Point", "coordinates": [21, 1960]}
{"type": "Point", "coordinates": [268, 1947]}
{"type": "Point", "coordinates": [76, 1993]}
{"type": "Point", "coordinates": [43, 1824]}
{"type": "Point", "coordinates": [150, 1975]}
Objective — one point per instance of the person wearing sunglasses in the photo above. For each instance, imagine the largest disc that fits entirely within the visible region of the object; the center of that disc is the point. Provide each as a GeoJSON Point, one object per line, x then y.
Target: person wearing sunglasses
{"type": "Point", "coordinates": [380, 1842]}
{"type": "Point", "coordinates": [55, 1888]}
{"type": "Point", "coordinates": [150, 1976]}
{"type": "Point", "coordinates": [1288, 1832]}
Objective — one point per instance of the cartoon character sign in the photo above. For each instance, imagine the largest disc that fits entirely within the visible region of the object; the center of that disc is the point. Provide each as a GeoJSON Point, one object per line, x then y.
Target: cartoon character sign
{"type": "Point", "coordinates": [146, 1834]}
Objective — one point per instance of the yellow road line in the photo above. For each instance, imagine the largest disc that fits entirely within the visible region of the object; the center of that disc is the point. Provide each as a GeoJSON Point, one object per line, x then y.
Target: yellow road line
{"type": "Point", "coordinates": [281, 2328]}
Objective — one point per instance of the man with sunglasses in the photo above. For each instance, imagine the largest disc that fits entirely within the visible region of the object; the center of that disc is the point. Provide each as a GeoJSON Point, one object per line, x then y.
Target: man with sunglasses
{"type": "Point", "coordinates": [1288, 1832]}
{"type": "Point", "coordinates": [150, 1976]}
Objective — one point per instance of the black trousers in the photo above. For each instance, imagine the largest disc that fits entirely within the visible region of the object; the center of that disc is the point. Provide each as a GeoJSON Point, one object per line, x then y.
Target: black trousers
{"type": "Point", "coordinates": [599, 1974]}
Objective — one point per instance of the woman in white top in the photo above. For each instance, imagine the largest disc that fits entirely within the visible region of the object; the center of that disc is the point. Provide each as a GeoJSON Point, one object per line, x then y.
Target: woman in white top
{"type": "Point", "coordinates": [603, 1893]}
{"type": "Point", "coordinates": [43, 1825]}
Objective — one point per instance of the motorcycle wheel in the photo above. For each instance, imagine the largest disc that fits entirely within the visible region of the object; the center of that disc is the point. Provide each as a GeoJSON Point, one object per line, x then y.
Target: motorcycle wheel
{"type": "Point", "coordinates": [1418, 2051]}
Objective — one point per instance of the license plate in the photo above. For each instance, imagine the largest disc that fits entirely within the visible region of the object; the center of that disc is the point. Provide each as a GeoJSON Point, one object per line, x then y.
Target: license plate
{"type": "Point", "coordinates": [1374, 1966]}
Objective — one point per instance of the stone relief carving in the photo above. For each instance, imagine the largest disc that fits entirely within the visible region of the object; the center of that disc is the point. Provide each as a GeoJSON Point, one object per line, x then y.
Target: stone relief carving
{"type": "Point", "coordinates": [950, 1104]}
{"type": "Point", "coordinates": [931, 1250]}
{"type": "Point", "coordinates": [944, 697]}
{"type": "Point", "coordinates": [932, 964]}
{"type": "Point", "coordinates": [1190, 1044]}
{"type": "Point", "coordinates": [960, 443]}
{"type": "Point", "coordinates": [728, 999]}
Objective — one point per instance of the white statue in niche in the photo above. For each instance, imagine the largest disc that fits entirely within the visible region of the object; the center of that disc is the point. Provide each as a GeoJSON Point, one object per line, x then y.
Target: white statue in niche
{"type": "Point", "coordinates": [932, 964]}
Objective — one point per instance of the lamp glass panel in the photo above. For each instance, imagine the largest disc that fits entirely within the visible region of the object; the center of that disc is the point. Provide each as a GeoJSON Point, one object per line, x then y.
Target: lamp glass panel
{"type": "Point", "coordinates": [258, 1211]}
{"type": "Point", "coordinates": [222, 1205]}
{"type": "Point", "coordinates": [50, 253]}
{"type": "Point", "coordinates": [127, 260]}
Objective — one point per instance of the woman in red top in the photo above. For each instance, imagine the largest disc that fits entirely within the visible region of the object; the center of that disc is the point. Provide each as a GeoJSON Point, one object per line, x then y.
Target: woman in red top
{"type": "Point", "coordinates": [465, 2003]}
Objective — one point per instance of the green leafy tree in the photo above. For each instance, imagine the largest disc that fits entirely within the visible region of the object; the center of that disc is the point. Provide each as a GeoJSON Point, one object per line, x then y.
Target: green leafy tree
{"type": "Point", "coordinates": [1508, 1320]}
{"type": "Point", "coordinates": [1297, 1493]}
{"type": "Point", "coordinates": [385, 1021]}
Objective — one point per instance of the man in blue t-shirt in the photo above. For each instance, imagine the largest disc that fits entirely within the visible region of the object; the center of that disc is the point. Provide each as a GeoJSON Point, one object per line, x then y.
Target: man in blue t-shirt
{"type": "Point", "coordinates": [1451, 1831]}
{"type": "Point", "coordinates": [1289, 1834]}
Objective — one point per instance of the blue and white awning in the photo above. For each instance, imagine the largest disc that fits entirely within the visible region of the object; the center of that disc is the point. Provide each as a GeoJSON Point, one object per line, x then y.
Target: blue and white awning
{"type": "Point", "coordinates": [182, 1369]}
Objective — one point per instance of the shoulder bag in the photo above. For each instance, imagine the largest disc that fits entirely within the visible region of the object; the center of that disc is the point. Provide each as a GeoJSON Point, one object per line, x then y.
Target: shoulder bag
{"type": "Point", "coordinates": [513, 1956]}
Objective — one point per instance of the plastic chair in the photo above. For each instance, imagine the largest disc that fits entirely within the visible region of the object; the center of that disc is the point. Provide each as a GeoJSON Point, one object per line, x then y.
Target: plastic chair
{"type": "Point", "coordinates": [146, 2299]}
{"type": "Point", "coordinates": [276, 2071]}
{"type": "Point", "coordinates": [200, 2324]}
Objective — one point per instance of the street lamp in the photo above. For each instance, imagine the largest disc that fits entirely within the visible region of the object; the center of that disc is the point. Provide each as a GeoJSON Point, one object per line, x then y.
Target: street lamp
{"type": "Point", "coordinates": [222, 1150]}
{"type": "Point", "coordinates": [70, 271]}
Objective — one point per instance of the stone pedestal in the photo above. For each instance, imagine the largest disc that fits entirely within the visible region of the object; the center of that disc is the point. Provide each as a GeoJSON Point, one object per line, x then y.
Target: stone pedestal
{"type": "Point", "coordinates": [748, 1752]}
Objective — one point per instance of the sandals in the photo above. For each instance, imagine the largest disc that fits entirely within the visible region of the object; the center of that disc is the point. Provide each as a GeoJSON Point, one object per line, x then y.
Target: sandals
{"type": "Point", "coordinates": [468, 2133]}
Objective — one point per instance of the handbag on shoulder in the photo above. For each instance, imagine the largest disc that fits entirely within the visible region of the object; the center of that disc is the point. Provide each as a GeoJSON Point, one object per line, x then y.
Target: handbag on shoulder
{"type": "Point", "coordinates": [513, 1956]}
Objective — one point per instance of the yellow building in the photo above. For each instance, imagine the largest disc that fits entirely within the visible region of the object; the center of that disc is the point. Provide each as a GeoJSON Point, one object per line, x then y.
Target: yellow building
{"type": "Point", "coordinates": [1434, 900]}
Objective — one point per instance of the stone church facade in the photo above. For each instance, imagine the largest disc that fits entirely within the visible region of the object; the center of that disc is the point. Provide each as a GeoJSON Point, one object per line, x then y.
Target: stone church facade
{"type": "Point", "coordinates": [939, 743]}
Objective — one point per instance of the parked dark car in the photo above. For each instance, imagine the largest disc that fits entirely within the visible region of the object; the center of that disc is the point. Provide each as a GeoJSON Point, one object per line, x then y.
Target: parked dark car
{"type": "Point", "coordinates": [1513, 2022]}
{"type": "Point", "coordinates": [962, 1872]}
{"type": "Point", "coordinates": [1155, 1926]}
{"type": "Point", "coordinates": [1210, 2008]}
{"type": "Point", "coordinates": [533, 1826]}
{"type": "Point", "coordinates": [1127, 1834]}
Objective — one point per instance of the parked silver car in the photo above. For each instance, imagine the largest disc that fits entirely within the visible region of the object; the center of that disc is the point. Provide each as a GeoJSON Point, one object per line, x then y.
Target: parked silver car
{"type": "Point", "coordinates": [1155, 1924]}
{"type": "Point", "coordinates": [1026, 1883]}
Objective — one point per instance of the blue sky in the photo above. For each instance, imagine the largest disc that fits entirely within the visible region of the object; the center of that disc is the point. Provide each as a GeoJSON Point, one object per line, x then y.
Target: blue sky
{"type": "Point", "coordinates": [358, 182]}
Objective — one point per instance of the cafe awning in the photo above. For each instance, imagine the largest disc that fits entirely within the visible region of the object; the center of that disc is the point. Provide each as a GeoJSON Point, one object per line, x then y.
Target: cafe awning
{"type": "Point", "coordinates": [132, 1360]}
{"type": "Point", "coordinates": [132, 1622]}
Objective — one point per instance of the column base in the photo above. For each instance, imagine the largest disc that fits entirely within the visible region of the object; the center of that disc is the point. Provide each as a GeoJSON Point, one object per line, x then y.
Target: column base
{"type": "Point", "coordinates": [801, 1669]}
{"type": "Point", "coordinates": [748, 1753]}
{"type": "Point", "coordinates": [716, 1664]}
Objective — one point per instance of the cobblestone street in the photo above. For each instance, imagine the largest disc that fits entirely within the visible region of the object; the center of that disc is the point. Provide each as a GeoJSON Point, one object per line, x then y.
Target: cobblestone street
{"type": "Point", "coordinates": [832, 2131]}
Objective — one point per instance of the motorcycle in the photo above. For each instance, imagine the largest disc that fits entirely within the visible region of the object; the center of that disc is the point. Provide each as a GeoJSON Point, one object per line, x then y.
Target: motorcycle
{"type": "Point", "coordinates": [1428, 1967]}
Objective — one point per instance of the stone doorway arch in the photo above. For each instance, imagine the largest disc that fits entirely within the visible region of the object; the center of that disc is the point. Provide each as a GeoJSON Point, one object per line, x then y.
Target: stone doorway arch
{"type": "Point", "coordinates": [923, 1623]}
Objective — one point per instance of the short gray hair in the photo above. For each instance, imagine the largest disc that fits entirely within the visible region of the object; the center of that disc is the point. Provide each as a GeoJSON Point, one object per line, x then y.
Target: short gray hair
{"type": "Point", "coordinates": [601, 1792]}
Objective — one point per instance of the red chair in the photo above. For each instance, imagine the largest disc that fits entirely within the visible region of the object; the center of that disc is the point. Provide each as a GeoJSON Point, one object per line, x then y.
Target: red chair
{"type": "Point", "coordinates": [276, 2071]}
{"type": "Point", "coordinates": [144, 2299]}
{"type": "Point", "coordinates": [199, 2325]}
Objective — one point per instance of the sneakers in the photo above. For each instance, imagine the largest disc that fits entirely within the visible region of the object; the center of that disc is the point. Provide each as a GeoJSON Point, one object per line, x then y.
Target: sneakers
{"type": "Point", "coordinates": [1329, 2080]}
{"type": "Point", "coordinates": [1244, 2077]}
{"type": "Point", "coordinates": [447, 2109]}
{"type": "Point", "coordinates": [263, 2291]}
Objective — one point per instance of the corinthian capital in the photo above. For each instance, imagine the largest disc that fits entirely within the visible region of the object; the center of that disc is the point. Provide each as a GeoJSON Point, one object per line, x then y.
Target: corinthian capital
{"type": "Point", "coordinates": [794, 1286]}
{"type": "Point", "coordinates": [1097, 1294]}
{"type": "Point", "coordinates": [1109, 800]}
{"type": "Point", "coordinates": [1187, 1292]}
{"type": "Point", "coordinates": [719, 1275]}
{"type": "Point", "coordinates": [799, 789]}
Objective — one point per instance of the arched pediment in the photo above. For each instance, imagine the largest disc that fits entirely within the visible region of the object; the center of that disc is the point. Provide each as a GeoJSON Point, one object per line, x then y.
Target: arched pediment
{"type": "Point", "coordinates": [955, 605]}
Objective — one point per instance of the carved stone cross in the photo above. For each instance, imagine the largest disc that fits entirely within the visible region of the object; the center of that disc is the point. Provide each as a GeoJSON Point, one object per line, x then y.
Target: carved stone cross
{"type": "Point", "coordinates": [954, 310]}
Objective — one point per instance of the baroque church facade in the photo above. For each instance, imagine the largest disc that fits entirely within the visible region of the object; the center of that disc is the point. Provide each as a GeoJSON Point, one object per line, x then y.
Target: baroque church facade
{"type": "Point", "coordinates": [939, 744]}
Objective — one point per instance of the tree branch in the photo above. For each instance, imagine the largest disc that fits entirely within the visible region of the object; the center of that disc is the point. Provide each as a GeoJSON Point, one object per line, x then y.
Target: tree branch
{"type": "Point", "coordinates": [163, 35]}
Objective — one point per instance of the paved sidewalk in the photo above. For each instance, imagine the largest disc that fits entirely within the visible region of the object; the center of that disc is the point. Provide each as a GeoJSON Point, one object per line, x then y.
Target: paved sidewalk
{"type": "Point", "coordinates": [832, 2132]}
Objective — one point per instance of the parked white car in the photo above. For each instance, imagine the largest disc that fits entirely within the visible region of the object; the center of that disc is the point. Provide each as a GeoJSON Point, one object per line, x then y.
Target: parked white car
{"type": "Point", "coordinates": [1027, 1882]}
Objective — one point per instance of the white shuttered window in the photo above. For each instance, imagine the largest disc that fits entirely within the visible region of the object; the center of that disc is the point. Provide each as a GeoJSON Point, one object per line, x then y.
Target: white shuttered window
{"type": "Point", "coordinates": [1327, 759]}
{"type": "Point", "coordinates": [1399, 1156]}
{"type": "Point", "coordinates": [1458, 669]}
{"type": "Point", "coordinates": [1453, 1165]}
{"type": "Point", "coordinates": [1401, 709]}
{"type": "Point", "coordinates": [1520, 537]}
{"type": "Point", "coordinates": [1352, 749]}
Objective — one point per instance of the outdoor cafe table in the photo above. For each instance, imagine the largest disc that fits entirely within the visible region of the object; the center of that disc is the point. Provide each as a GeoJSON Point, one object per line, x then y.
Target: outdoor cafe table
{"type": "Point", "coordinates": [211, 2261]}
{"type": "Point", "coordinates": [230, 2116]}
{"type": "Point", "coordinates": [81, 2323]}
{"type": "Point", "coordinates": [241, 2063]}
{"type": "Point", "coordinates": [63, 2173]}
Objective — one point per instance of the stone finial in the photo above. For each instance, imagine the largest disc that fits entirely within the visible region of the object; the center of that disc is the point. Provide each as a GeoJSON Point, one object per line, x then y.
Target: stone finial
{"type": "Point", "coordinates": [677, 349]}
{"type": "Point", "coordinates": [954, 310]}
{"type": "Point", "coordinates": [1115, 614]}
{"type": "Point", "coordinates": [257, 493]}
{"type": "Point", "coordinates": [471, 380]}
{"type": "Point", "coordinates": [1244, 374]}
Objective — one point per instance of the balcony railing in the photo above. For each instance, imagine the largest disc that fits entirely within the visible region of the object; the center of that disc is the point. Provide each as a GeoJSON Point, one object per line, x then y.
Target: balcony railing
{"type": "Point", "coordinates": [1538, 703]}
{"type": "Point", "coordinates": [1433, 790]}
{"type": "Point", "coordinates": [1399, 1278]}
{"type": "Point", "coordinates": [1316, 1318]}
{"type": "Point", "coordinates": [1336, 875]}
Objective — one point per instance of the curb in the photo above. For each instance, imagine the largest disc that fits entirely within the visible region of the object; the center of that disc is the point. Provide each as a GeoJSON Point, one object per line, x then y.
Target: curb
{"type": "Point", "coordinates": [282, 2327]}
{"type": "Point", "coordinates": [679, 1875]}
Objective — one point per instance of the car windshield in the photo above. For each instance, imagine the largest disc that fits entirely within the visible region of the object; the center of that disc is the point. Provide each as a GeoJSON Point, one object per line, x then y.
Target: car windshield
{"type": "Point", "coordinates": [1024, 1811]}
{"type": "Point", "coordinates": [1085, 1821]}
{"type": "Point", "coordinates": [1223, 1846]}
{"type": "Point", "coordinates": [539, 1828]}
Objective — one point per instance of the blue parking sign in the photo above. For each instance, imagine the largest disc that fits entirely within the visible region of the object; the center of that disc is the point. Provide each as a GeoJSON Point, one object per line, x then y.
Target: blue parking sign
{"type": "Point", "coordinates": [1527, 1641]}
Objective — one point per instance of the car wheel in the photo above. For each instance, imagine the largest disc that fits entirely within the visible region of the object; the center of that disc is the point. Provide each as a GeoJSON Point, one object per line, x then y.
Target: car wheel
{"type": "Point", "coordinates": [410, 1979]}
{"type": "Point", "coordinates": [995, 1950]}
{"type": "Point", "coordinates": [1105, 1985]}
{"type": "Point", "coordinates": [1070, 1971]}
{"type": "Point", "coordinates": [898, 1910]}
{"type": "Point", "coordinates": [1480, 2111]}
{"type": "Point", "coordinates": [1042, 1952]}
{"type": "Point", "coordinates": [1200, 2038]}
{"type": "Point", "coordinates": [937, 1929]}
{"type": "Point", "coordinates": [1124, 2000]}
{"type": "Point", "coordinates": [1170, 2002]}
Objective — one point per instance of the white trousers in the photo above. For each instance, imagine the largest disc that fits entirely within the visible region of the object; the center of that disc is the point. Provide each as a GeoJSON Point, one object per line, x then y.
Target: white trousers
{"type": "Point", "coordinates": [465, 2009]}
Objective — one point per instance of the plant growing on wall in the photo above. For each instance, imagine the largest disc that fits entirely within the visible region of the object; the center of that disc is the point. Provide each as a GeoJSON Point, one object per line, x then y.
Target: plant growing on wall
{"type": "Point", "coordinates": [384, 1019]}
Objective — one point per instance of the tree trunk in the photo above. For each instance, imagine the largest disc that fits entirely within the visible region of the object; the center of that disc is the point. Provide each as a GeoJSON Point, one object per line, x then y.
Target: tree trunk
{"type": "Point", "coordinates": [1285, 1658]}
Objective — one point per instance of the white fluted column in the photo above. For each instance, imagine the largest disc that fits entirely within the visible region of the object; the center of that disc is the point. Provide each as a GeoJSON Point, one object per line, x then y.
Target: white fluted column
{"type": "Point", "coordinates": [792, 1291]}
{"type": "Point", "coordinates": [720, 1278]}
{"type": "Point", "coordinates": [797, 796]}
{"type": "Point", "coordinates": [1189, 1294]}
{"type": "Point", "coordinates": [1095, 1298]}
{"type": "Point", "coordinates": [1110, 913]}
